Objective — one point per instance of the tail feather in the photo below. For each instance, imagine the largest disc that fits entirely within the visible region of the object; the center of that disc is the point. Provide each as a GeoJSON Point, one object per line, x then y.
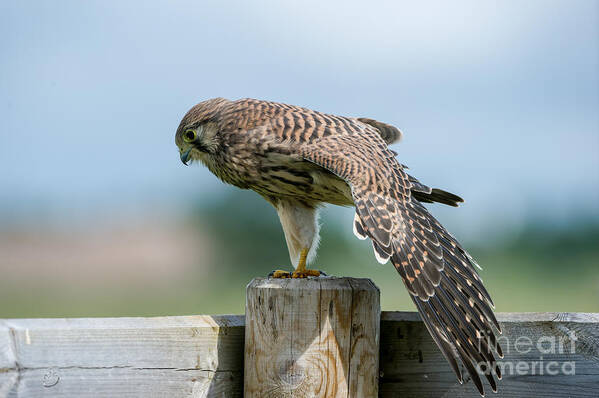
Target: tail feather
{"type": "Point", "coordinates": [427, 194]}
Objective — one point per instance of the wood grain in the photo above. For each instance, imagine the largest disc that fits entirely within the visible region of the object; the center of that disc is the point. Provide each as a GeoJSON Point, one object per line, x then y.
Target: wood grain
{"type": "Point", "coordinates": [311, 338]}
{"type": "Point", "coordinates": [412, 365]}
{"type": "Point", "coordinates": [366, 314]}
{"type": "Point", "coordinates": [108, 357]}
{"type": "Point", "coordinates": [202, 356]}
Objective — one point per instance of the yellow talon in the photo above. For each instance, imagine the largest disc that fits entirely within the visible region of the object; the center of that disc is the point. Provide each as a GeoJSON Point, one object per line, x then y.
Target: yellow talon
{"type": "Point", "coordinates": [300, 272]}
{"type": "Point", "coordinates": [280, 274]}
{"type": "Point", "coordinates": [305, 273]}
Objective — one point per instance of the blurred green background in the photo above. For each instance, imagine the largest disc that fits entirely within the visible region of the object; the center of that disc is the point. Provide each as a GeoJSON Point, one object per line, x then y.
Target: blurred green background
{"type": "Point", "coordinates": [201, 263]}
{"type": "Point", "coordinates": [498, 102]}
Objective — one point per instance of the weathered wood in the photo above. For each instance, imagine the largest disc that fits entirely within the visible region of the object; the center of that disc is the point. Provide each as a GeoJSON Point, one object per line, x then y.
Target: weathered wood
{"type": "Point", "coordinates": [412, 365]}
{"type": "Point", "coordinates": [366, 312]}
{"type": "Point", "coordinates": [108, 357]}
{"type": "Point", "coordinates": [202, 356]}
{"type": "Point", "coordinates": [311, 338]}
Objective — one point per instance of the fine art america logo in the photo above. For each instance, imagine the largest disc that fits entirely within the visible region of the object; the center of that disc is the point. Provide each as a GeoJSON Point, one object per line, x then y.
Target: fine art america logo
{"type": "Point", "coordinates": [535, 356]}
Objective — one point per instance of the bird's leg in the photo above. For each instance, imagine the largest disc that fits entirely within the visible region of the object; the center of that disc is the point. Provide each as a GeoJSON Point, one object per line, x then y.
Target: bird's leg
{"type": "Point", "coordinates": [301, 271]}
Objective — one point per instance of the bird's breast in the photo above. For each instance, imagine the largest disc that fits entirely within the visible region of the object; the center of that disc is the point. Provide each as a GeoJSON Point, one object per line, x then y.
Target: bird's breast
{"type": "Point", "coordinates": [274, 170]}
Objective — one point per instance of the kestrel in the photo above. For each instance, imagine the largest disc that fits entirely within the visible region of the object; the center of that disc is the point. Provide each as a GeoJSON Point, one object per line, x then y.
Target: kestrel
{"type": "Point", "coordinates": [299, 159]}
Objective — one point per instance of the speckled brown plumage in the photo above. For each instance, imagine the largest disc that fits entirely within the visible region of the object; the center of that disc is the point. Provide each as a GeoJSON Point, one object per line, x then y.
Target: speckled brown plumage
{"type": "Point", "coordinates": [298, 158]}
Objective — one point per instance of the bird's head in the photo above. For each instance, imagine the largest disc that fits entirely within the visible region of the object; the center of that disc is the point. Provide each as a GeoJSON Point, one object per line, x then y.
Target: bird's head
{"type": "Point", "coordinates": [197, 134]}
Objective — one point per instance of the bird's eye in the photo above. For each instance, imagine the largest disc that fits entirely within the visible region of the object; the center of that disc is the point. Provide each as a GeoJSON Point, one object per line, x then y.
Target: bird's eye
{"type": "Point", "coordinates": [189, 135]}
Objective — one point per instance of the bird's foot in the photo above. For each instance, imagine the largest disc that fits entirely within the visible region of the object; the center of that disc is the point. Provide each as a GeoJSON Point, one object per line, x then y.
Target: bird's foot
{"type": "Point", "coordinates": [296, 274]}
{"type": "Point", "coordinates": [305, 273]}
{"type": "Point", "coordinates": [279, 274]}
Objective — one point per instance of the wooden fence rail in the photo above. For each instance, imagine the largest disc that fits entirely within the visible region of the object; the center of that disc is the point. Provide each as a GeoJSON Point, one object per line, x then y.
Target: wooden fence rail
{"type": "Point", "coordinates": [546, 354]}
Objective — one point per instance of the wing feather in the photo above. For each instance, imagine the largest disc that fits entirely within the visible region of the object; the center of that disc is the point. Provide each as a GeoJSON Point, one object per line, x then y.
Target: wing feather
{"type": "Point", "coordinates": [359, 229]}
{"type": "Point", "coordinates": [388, 133]}
{"type": "Point", "coordinates": [439, 274]}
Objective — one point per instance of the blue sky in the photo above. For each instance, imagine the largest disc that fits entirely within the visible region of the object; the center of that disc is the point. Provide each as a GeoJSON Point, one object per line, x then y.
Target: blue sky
{"type": "Point", "coordinates": [498, 101]}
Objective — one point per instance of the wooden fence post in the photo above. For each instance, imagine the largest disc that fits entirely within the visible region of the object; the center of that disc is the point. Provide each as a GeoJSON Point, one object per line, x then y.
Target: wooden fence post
{"type": "Point", "coordinates": [316, 337]}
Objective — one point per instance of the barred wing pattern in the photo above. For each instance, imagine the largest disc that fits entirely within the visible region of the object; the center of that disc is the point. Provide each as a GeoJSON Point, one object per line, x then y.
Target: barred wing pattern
{"type": "Point", "coordinates": [259, 139]}
{"type": "Point", "coordinates": [436, 270]}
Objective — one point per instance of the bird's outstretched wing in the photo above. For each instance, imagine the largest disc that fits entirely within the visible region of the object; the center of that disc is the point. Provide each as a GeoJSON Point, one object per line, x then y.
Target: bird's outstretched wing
{"type": "Point", "coordinates": [437, 271]}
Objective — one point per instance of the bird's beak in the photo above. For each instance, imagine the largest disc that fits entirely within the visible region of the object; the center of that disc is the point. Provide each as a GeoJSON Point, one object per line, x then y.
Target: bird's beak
{"type": "Point", "coordinates": [185, 156]}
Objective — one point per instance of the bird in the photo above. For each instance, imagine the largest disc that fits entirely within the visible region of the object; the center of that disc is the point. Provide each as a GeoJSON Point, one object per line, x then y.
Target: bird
{"type": "Point", "coordinates": [300, 159]}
